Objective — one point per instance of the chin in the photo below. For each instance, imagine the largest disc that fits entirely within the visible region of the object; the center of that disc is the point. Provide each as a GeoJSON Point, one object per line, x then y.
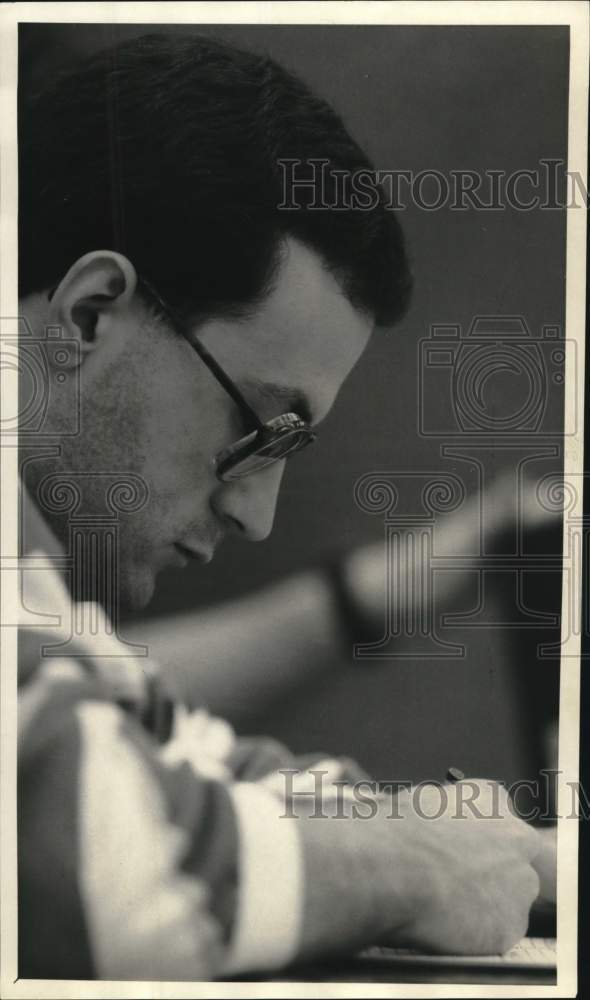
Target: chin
{"type": "Point", "coordinates": [136, 588]}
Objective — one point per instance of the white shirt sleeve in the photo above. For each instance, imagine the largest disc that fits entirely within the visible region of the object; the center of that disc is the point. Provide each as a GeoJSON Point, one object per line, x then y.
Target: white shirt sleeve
{"type": "Point", "coordinates": [268, 921]}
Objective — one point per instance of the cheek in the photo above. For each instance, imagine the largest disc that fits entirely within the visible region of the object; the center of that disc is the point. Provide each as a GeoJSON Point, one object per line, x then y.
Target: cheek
{"type": "Point", "coordinates": [186, 420]}
{"type": "Point", "coordinates": [180, 446]}
{"type": "Point", "coordinates": [176, 464]}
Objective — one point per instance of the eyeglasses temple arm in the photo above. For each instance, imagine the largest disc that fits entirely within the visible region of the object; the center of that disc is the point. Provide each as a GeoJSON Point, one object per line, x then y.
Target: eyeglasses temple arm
{"type": "Point", "coordinates": [225, 381]}
{"type": "Point", "coordinates": [208, 359]}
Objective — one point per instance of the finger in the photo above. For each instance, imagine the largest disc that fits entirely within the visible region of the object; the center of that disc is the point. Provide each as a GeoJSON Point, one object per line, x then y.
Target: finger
{"type": "Point", "coordinates": [524, 839]}
{"type": "Point", "coordinates": [524, 892]}
{"type": "Point", "coordinates": [545, 865]}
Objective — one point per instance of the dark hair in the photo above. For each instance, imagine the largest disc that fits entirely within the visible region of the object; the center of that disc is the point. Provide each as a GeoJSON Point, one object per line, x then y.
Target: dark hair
{"type": "Point", "coordinates": [166, 149]}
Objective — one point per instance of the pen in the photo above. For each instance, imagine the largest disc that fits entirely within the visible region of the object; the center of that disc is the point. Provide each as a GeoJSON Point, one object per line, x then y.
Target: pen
{"type": "Point", "coordinates": [454, 775]}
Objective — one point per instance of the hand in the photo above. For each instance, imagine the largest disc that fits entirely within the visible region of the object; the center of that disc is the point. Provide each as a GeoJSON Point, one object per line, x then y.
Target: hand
{"type": "Point", "coordinates": [458, 884]}
{"type": "Point", "coordinates": [469, 881]}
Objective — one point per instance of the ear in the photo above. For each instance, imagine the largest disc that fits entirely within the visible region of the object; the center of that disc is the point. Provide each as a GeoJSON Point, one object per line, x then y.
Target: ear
{"type": "Point", "coordinates": [92, 297]}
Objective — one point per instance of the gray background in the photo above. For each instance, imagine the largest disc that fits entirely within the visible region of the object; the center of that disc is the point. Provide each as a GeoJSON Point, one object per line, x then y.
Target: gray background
{"type": "Point", "coordinates": [416, 98]}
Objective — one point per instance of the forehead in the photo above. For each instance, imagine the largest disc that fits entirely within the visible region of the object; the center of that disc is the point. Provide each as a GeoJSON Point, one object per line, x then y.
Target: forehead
{"type": "Point", "coordinates": [305, 337]}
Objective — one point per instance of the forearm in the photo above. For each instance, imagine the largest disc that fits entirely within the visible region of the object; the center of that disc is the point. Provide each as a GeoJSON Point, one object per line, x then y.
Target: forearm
{"type": "Point", "coordinates": [243, 653]}
{"type": "Point", "coordinates": [379, 575]}
{"type": "Point", "coordinates": [246, 652]}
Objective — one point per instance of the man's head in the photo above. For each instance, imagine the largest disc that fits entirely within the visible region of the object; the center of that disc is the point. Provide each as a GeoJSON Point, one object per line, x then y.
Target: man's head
{"type": "Point", "coordinates": [158, 160]}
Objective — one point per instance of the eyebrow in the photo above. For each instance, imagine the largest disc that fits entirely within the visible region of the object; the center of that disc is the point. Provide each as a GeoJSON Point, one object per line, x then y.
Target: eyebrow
{"type": "Point", "coordinates": [293, 400]}
{"type": "Point", "coordinates": [290, 399]}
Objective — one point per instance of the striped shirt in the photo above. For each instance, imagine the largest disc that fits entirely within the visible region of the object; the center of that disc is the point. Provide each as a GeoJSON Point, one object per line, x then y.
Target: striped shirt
{"type": "Point", "coordinates": [153, 843]}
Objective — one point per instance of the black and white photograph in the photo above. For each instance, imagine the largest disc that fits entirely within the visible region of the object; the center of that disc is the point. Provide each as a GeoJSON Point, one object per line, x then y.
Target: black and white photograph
{"type": "Point", "coordinates": [310, 276]}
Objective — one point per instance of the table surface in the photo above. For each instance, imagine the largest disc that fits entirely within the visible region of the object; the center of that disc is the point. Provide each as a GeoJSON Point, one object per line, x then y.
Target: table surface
{"type": "Point", "coordinates": [368, 970]}
{"type": "Point", "coordinates": [383, 965]}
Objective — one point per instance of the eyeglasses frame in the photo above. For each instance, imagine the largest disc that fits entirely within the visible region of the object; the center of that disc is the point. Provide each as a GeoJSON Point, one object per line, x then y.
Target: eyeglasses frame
{"type": "Point", "coordinates": [259, 426]}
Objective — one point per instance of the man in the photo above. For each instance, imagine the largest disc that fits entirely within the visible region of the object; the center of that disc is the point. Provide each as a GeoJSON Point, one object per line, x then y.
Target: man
{"type": "Point", "coordinates": [209, 331]}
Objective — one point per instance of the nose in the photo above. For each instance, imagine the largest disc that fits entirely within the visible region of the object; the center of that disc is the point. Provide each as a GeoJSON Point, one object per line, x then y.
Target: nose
{"type": "Point", "coordinates": [248, 505]}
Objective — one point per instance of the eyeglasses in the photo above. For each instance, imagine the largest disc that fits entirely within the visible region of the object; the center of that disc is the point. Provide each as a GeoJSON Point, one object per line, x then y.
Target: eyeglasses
{"type": "Point", "coordinates": [269, 441]}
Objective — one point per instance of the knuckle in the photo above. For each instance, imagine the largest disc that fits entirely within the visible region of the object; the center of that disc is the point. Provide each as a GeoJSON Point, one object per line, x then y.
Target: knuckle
{"type": "Point", "coordinates": [528, 838]}
{"type": "Point", "coordinates": [501, 935]}
{"type": "Point", "coordinates": [533, 883]}
{"type": "Point", "coordinates": [509, 935]}
{"type": "Point", "coordinates": [521, 924]}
